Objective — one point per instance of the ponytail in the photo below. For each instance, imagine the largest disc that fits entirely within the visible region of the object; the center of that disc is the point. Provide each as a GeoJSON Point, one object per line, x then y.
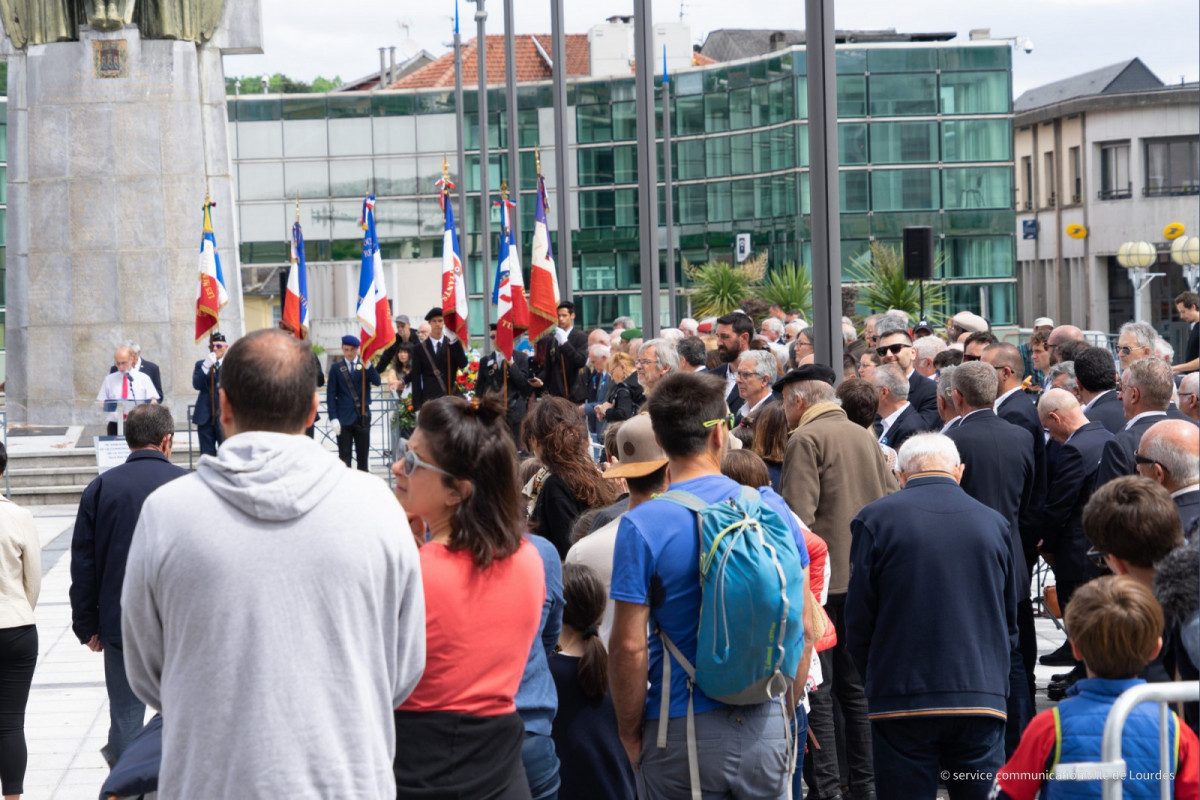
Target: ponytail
{"type": "Point", "coordinates": [585, 600]}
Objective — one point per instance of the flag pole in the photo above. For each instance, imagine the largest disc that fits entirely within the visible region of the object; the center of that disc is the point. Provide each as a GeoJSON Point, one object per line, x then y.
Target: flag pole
{"type": "Point", "coordinates": [485, 206]}
{"type": "Point", "coordinates": [511, 127]}
{"type": "Point", "coordinates": [643, 36]}
{"type": "Point", "coordinates": [458, 122]}
{"type": "Point", "coordinates": [669, 216]}
{"type": "Point", "coordinates": [559, 60]}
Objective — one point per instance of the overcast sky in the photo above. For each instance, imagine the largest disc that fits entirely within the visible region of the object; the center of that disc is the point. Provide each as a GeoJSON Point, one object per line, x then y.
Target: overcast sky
{"type": "Point", "coordinates": [307, 38]}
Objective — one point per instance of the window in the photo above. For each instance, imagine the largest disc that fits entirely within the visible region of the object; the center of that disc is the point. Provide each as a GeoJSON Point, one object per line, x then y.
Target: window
{"type": "Point", "coordinates": [977, 140]}
{"type": "Point", "coordinates": [716, 112]}
{"type": "Point", "coordinates": [851, 95]}
{"type": "Point", "coordinates": [903, 95]}
{"type": "Point", "coordinates": [691, 204]}
{"type": "Point", "coordinates": [904, 189]}
{"type": "Point", "coordinates": [1076, 176]}
{"type": "Point", "coordinates": [1114, 171]}
{"type": "Point", "coordinates": [689, 115]}
{"type": "Point", "coordinates": [1026, 183]}
{"type": "Point", "coordinates": [716, 157]}
{"type": "Point", "coordinates": [689, 159]}
{"type": "Point", "coordinates": [1172, 167]}
{"type": "Point", "coordinates": [596, 166]}
{"type": "Point", "coordinates": [743, 200]}
{"type": "Point", "coordinates": [1048, 180]}
{"type": "Point", "coordinates": [852, 191]}
{"type": "Point", "coordinates": [976, 93]}
{"type": "Point", "coordinates": [904, 142]}
{"type": "Point", "coordinates": [596, 209]}
{"type": "Point", "coordinates": [852, 144]}
{"type": "Point", "coordinates": [594, 123]}
{"type": "Point", "coordinates": [720, 202]}
{"type": "Point", "coordinates": [977, 187]}
{"type": "Point", "coordinates": [742, 148]}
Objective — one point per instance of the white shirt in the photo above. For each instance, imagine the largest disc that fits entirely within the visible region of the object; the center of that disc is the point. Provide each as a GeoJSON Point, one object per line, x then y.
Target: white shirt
{"type": "Point", "coordinates": [744, 412]}
{"type": "Point", "coordinates": [1195, 487]}
{"type": "Point", "coordinates": [1003, 397]}
{"type": "Point", "coordinates": [951, 424]}
{"type": "Point", "coordinates": [141, 388]}
{"type": "Point", "coordinates": [1129, 424]}
{"type": "Point", "coordinates": [596, 551]}
{"type": "Point", "coordinates": [890, 420]}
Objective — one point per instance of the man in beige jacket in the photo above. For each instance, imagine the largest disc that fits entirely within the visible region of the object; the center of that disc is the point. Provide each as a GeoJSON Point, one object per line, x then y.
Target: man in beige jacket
{"type": "Point", "coordinates": [831, 469]}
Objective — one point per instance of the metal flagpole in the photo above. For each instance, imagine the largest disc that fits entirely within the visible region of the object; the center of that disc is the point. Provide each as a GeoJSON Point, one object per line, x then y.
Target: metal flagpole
{"type": "Point", "coordinates": [823, 158]}
{"type": "Point", "coordinates": [558, 53]}
{"type": "Point", "coordinates": [670, 212]}
{"type": "Point", "coordinates": [485, 205]}
{"type": "Point", "coordinates": [643, 37]}
{"type": "Point", "coordinates": [461, 161]}
{"type": "Point", "coordinates": [512, 129]}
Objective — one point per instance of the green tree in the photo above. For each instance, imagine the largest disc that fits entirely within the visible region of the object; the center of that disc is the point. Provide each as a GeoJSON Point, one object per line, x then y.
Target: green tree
{"type": "Point", "coordinates": [789, 287]}
{"type": "Point", "coordinates": [279, 84]}
{"type": "Point", "coordinates": [718, 287]}
{"type": "Point", "coordinates": [878, 275]}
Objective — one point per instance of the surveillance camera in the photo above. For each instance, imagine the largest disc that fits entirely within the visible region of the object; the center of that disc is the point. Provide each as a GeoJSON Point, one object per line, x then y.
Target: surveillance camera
{"type": "Point", "coordinates": [1027, 45]}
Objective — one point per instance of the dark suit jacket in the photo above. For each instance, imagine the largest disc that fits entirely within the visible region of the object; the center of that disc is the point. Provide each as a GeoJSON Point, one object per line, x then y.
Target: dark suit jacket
{"type": "Point", "coordinates": [1070, 486]}
{"type": "Point", "coordinates": [595, 389]}
{"type": "Point", "coordinates": [389, 355]}
{"type": "Point", "coordinates": [908, 423]}
{"type": "Point", "coordinates": [1173, 412]}
{"type": "Point", "coordinates": [1108, 411]}
{"type": "Point", "coordinates": [425, 381]}
{"type": "Point", "coordinates": [1188, 505]}
{"type": "Point", "coordinates": [999, 472]}
{"type": "Point", "coordinates": [561, 363]}
{"type": "Point", "coordinates": [732, 399]}
{"type": "Point", "coordinates": [108, 513]}
{"type": "Point", "coordinates": [922, 394]}
{"type": "Point", "coordinates": [1019, 409]}
{"type": "Point", "coordinates": [208, 402]}
{"type": "Point", "coordinates": [1118, 457]}
{"type": "Point", "coordinates": [491, 380]}
{"type": "Point", "coordinates": [339, 397]}
{"type": "Point", "coordinates": [152, 372]}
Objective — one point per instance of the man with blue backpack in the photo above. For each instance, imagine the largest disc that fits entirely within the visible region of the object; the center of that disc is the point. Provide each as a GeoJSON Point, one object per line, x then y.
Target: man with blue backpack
{"type": "Point", "coordinates": [718, 573]}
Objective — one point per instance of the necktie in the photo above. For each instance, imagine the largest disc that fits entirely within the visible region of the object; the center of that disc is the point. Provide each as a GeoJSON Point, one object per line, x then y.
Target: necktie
{"type": "Point", "coordinates": [125, 386]}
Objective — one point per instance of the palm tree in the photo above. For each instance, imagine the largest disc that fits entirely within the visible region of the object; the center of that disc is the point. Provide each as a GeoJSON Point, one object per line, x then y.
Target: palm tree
{"type": "Point", "coordinates": [879, 278]}
{"type": "Point", "coordinates": [718, 287]}
{"type": "Point", "coordinates": [789, 287]}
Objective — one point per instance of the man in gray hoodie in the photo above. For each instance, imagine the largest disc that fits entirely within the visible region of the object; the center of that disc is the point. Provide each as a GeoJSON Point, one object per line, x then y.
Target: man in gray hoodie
{"type": "Point", "coordinates": [273, 607]}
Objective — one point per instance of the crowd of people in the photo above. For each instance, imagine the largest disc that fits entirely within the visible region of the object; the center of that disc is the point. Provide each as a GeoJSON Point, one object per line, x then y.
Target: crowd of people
{"type": "Point", "coordinates": [525, 615]}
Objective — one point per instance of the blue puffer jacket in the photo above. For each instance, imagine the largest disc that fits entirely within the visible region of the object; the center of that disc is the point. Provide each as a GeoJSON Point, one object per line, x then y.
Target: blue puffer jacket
{"type": "Point", "coordinates": [1080, 722]}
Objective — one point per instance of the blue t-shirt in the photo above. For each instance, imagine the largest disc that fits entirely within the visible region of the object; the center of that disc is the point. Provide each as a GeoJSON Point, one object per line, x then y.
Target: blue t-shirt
{"type": "Point", "coordinates": [656, 562]}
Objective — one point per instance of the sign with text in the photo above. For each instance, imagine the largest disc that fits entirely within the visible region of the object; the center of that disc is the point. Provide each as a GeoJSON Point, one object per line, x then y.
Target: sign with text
{"type": "Point", "coordinates": [111, 451]}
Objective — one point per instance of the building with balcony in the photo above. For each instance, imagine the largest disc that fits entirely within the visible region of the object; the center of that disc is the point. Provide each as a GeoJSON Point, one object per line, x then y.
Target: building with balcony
{"type": "Point", "coordinates": [1117, 153]}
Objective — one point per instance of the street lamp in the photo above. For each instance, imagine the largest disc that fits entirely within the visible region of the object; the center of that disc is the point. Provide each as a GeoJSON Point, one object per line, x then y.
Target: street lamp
{"type": "Point", "coordinates": [1137, 258]}
{"type": "Point", "coordinates": [1185, 251]}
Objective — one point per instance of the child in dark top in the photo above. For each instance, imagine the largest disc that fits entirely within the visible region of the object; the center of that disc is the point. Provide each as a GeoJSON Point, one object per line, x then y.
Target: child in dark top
{"type": "Point", "coordinates": [1116, 626]}
{"type": "Point", "coordinates": [593, 763]}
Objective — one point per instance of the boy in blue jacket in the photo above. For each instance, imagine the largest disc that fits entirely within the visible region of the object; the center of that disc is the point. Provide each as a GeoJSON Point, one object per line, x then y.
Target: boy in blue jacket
{"type": "Point", "coordinates": [1116, 629]}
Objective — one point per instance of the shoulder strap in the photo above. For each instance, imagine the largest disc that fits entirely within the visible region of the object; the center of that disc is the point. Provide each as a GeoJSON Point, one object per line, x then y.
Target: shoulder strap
{"type": "Point", "coordinates": [664, 710]}
{"type": "Point", "coordinates": [1056, 753]}
{"type": "Point", "coordinates": [433, 363]}
{"type": "Point", "coordinates": [350, 383]}
{"type": "Point", "coordinates": [685, 499]}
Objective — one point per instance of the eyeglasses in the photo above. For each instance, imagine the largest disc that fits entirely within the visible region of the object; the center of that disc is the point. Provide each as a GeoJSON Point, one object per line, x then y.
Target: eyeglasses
{"type": "Point", "coordinates": [971, 358]}
{"type": "Point", "coordinates": [894, 349]}
{"type": "Point", "coordinates": [748, 375]}
{"type": "Point", "coordinates": [219, 346]}
{"type": "Point", "coordinates": [1096, 556]}
{"type": "Point", "coordinates": [410, 462]}
{"type": "Point", "coordinates": [1141, 459]}
{"type": "Point", "coordinates": [646, 362]}
{"type": "Point", "coordinates": [1124, 350]}
{"type": "Point", "coordinates": [729, 420]}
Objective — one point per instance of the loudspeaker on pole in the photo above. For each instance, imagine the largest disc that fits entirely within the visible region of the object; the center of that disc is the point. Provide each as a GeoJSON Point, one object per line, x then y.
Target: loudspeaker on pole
{"type": "Point", "coordinates": [918, 253]}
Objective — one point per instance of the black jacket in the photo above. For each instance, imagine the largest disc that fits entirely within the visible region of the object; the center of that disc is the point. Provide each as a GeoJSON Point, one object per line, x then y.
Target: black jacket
{"type": "Point", "coordinates": [909, 422]}
{"type": "Point", "coordinates": [732, 399]}
{"type": "Point", "coordinates": [1018, 408]}
{"type": "Point", "coordinates": [1118, 457]}
{"type": "Point", "coordinates": [492, 378]}
{"type": "Point", "coordinates": [560, 364]}
{"type": "Point", "coordinates": [428, 379]}
{"type": "Point", "coordinates": [922, 395]}
{"type": "Point", "coordinates": [1188, 505]}
{"type": "Point", "coordinates": [626, 397]}
{"type": "Point", "coordinates": [108, 514]}
{"type": "Point", "coordinates": [1070, 487]}
{"type": "Point", "coordinates": [208, 402]}
{"type": "Point", "coordinates": [1107, 410]}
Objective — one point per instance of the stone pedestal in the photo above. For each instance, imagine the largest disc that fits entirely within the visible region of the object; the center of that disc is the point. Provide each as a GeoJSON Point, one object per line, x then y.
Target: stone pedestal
{"type": "Point", "coordinates": [113, 142]}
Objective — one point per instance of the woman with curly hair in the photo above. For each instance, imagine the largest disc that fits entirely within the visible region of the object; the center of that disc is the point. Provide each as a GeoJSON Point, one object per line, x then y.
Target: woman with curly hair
{"type": "Point", "coordinates": [458, 734]}
{"type": "Point", "coordinates": [556, 434]}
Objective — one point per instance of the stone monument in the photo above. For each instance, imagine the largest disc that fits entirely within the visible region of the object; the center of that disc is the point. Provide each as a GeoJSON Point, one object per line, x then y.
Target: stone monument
{"type": "Point", "coordinates": [114, 140]}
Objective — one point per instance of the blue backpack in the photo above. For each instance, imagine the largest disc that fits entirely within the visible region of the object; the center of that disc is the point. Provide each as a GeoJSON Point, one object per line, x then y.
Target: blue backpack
{"type": "Point", "coordinates": [751, 633]}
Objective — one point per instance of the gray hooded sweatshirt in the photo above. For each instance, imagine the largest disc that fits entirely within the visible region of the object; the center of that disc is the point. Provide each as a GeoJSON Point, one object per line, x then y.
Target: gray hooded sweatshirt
{"type": "Point", "coordinates": [273, 611]}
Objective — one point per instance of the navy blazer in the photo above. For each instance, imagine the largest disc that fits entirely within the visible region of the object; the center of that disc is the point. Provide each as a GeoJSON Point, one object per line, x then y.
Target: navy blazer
{"type": "Point", "coordinates": [1070, 487]}
{"type": "Point", "coordinates": [1018, 408]}
{"type": "Point", "coordinates": [108, 514]}
{"type": "Point", "coordinates": [1118, 457]}
{"type": "Point", "coordinates": [338, 397]}
{"type": "Point", "coordinates": [209, 399]}
{"type": "Point", "coordinates": [909, 422]}
{"type": "Point", "coordinates": [999, 472]}
{"type": "Point", "coordinates": [1108, 411]}
{"type": "Point", "coordinates": [1188, 506]}
{"type": "Point", "coordinates": [732, 399]}
{"type": "Point", "coordinates": [922, 394]}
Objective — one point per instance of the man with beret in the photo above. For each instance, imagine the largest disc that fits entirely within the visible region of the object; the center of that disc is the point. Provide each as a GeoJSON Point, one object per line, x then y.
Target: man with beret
{"type": "Point", "coordinates": [206, 379]}
{"type": "Point", "coordinates": [349, 402]}
{"type": "Point", "coordinates": [562, 355]}
{"type": "Point", "coordinates": [832, 468]}
{"type": "Point", "coordinates": [436, 360]}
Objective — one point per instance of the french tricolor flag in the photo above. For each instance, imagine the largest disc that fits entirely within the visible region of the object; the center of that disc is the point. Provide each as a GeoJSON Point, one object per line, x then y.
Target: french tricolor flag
{"type": "Point", "coordinates": [374, 312]}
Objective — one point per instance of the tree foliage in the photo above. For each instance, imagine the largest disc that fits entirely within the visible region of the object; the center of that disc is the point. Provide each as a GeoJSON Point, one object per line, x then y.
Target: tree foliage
{"type": "Point", "coordinates": [279, 84]}
{"type": "Point", "coordinates": [718, 287]}
{"type": "Point", "coordinates": [878, 276]}
{"type": "Point", "coordinates": [790, 288]}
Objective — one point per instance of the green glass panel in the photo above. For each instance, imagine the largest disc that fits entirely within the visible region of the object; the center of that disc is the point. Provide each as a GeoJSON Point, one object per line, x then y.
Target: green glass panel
{"type": "Point", "coordinates": [979, 222]}
{"type": "Point", "coordinates": [3, 186]}
{"type": "Point", "coordinates": [594, 123]}
{"type": "Point", "coordinates": [259, 110]}
{"type": "Point", "coordinates": [441, 102]}
{"type": "Point", "coordinates": [902, 59]}
{"type": "Point", "coordinates": [270, 252]}
{"type": "Point", "coordinates": [801, 98]}
{"type": "Point", "coordinates": [720, 202]}
{"type": "Point", "coordinates": [624, 121]}
{"type": "Point", "coordinates": [904, 142]}
{"type": "Point", "coordinates": [625, 164]}
{"type": "Point", "coordinates": [806, 194]}
{"type": "Point", "coordinates": [471, 131]}
{"type": "Point", "coordinates": [800, 62]}
{"type": "Point", "coordinates": [391, 105]}
{"type": "Point", "coordinates": [904, 189]}
{"type": "Point", "coordinates": [689, 115]}
{"type": "Point", "coordinates": [762, 151]}
{"type": "Point", "coordinates": [626, 206]}
{"type": "Point", "coordinates": [743, 200]}
{"type": "Point", "coordinates": [851, 96]}
{"type": "Point", "coordinates": [758, 71]}
{"type": "Point", "coordinates": [739, 109]}
{"type": "Point", "coordinates": [903, 95]}
{"type": "Point", "coordinates": [350, 106]}
{"type": "Point", "coordinates": [892, 225]}
{"type": "Point", "coordinates": [689, 159]}
{"type": "Point", "coordinates": [742, 153]}
{"type": "Point", "coordinates": [977, 140]}
{"type": "Point", "coordinates": [978, 187]}
{"type": "Point", "coordinates": [591, 92]}
{"type": "Point", "coordinates": [497, 166]}
{"type": "Point", "coordinates": [692, 204]}
{"type": "Point", "coordinates": [783, 194]}
{"type": "Point", "coordinates": [716, 157]}
{"type": "Point", "coordinates": [716, 112]}
{"type": "Point", "coordinates": [850, 61]}
{"type": "Point", "coordinates": [527, 97]}
{"type": "Point", "coordinates": [852, 143]}
{"type": "Point", "coordinates": [802, 145]}
{"type": "Point", "coordinates": [595, 166]}
{"type": "Point", "coordinates": [1000, 299]}
{"type": "Point", "coordinates": [976, 93]}
{"type": "Point", "coordinates": [716, 80]}
{"type": "Point", "coordinates": [527, 127]}
{"type": "Point", "coordinates": [851, 249]}
{"type": "Point", "coordinates": [599, 271]}
{"type": "Point", "coordinates": [958, 59]}
{"type": "Point", "coordinates": [855, 226]}
{"type": "Point", "coordinates": [783, 147]}
{"type": "Point", "coordinates": [853, 193]}
{"type": "Point", "coordinates": [764, 205]}
{"type": "Point", "coordinates": [686, 83]}
{"type": "Point", "coordinates": [979, 257]}
{"type": "Point", "coordinates": [760, 105]}
{"type": "Point", "coordinates": [304, 108]}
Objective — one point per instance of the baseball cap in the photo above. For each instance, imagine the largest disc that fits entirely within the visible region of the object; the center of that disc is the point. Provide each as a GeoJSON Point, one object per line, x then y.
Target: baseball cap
{"type": "Point", "coordinates": [1043, 322]}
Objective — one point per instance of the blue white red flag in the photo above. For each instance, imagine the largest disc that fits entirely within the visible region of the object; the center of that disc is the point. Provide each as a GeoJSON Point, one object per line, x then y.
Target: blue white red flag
{"type": "Point", "coordinates": [454, 289]}
{"type": "Point", "coordinates": [212, 296]}
{"type": "Point", "coordinates": [295, 300]}
{"type": "Point", "coordinates": [374, 312]}
{"type": "Point", "coordinates": [543, 280]}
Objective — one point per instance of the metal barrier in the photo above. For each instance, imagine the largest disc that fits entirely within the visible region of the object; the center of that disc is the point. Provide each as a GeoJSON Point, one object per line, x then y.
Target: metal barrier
{"type": "Point", "coordinates": [4, 433]}
{"type": "Point", "coordinates": [1110, 769]}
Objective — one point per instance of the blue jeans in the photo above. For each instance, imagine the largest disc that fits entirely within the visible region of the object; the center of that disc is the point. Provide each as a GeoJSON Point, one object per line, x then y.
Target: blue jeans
{"type": "Point", "coordinates": [800, 732]}
{"type": "Point", "coordinates": [125, 712]}
{"type": "Point", "coordinates": [911, 754]}
{"type": "Point", "coordinates": [541, 766]}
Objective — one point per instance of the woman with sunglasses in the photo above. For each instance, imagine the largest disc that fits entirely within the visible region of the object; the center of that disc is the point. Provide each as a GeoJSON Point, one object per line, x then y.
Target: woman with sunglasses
{"type": "Point", "coordinates": [458, 734]}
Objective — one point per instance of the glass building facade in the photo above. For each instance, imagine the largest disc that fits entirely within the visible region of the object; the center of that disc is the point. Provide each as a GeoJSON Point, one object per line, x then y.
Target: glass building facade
{"type": "Point", "coordinates": [924, 132]}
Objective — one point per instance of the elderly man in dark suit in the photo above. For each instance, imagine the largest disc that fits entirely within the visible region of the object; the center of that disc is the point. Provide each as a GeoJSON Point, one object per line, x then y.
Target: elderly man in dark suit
{"type": "Point", "coordinates": [999, 472]}
{"type": "Point", "coordinates": [1169, 454]}
{"type": "Point", "coordinates": [895, 347]}
{"type": "Point", "coordinates": [1081, 442]}
{"type": "Point", "coordinates": [1145, 394]}
{"type": "Point", "coordinates": [349, 402]}
{"type": "Point", "coordinates": [108, 513]}
{"type": "Point", "coordinates": [898, 418]}
{"type": "Point", "coordinates": [206, 379]}
{"type": "Point", "coordinates": [937, 693]}
{"type": "Point", "coordinates": [1096, 375]}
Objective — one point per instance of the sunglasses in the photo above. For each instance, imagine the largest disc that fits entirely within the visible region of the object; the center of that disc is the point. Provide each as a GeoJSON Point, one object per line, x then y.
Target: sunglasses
{"type": "Point", "coordinates": [894, 349]}
{"type": "Point", "coordinates": [1097, 557]}
{"type": "Point", "coordinates": [410, 462]}
{"type": "Point", "coordinates": [1124, 350]}
{"type": "Point", "coordinates": [971, 358]}
{"type": "Point", "coordinates": [1141, 459]}
{"type": "Point", "coordinates": [729, 420]}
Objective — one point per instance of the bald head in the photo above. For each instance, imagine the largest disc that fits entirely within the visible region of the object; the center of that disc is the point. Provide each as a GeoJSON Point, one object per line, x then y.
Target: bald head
{"type": "Point", "coordinates": [1189, 395]}
{"type": "Point", "coordinates": [1173, 447]}
{"type": "Point", "coordinates": [1006, 360]}
{"type": "Point", "coordinates": [123, 359]}
{"type": "Point", "coordinates": [1060, 336]}
{"type": "Point", "coordinates": [1061, 414]}
{"type": "Point", "coordinates": [268, 383]}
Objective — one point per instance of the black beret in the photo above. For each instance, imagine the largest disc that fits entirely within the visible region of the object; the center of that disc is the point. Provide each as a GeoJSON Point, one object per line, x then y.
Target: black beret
{"type": "Point", "coordinates": [433, 312]}
{"type": "Point", "coordinates": [809, 372]}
